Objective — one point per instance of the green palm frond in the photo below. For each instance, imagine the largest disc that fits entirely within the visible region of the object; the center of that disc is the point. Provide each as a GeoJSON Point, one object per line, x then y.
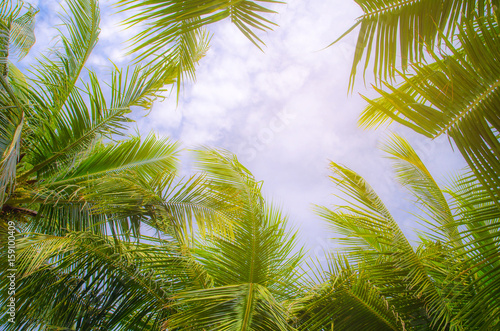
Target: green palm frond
{"type": "Point", "coordinates": [174, 30]}
{"type": "Point", "coordinates": [189, 48]}
{"type": "Point", "coordinates": [231, 180]}
{"type": "Point", "coordinates": [134, 87]}
{"type": "Point", "coordinates": [396, 33]}
{"type": "Point", "coordinates": [412, 173]}
{"type": "Point", "coordinates": [365, 215]}
{"type": "Point", "coordinates": [16, 31]}
{"type": "Point", "coordinates": [249, 268]}
{"type": "Point", "coordinates": [372, 237]}
{"type": "Point", "coordinates": [233, 307]}
{"type": "Point", "coordinates": [22, 34]}
{"type": "Point", "coordinates": [56, 81]}
{"type": "Point", "coordinates": [70, 199]}
{"type": "Point", "coordinates": [151, 154]}
{"type": "Point", "coordinates": [86, 117]}
{"type": "Point", "coordinates": [448, 282]}
{"type": "Point", "coordinates": [84, 280]}
{"type": "Point", "coordinates": [78, 38]}
{"type": "Point", "coordinates": [346, 300]}
{"type": "Point", "coordinates": [166, 20]}
{"type": "Point", "coordinates": [62, 217]}
{"type": "Point", "coordinates": [10, 9]}
{"type": "Point", "coordinates": [163, 201]}
{"type": "Point", "coordinates": [479, 219]}
{"type": "Point", "coordinates": [57, 141]}
{"type": "Point", "coordinates": [457, 95]}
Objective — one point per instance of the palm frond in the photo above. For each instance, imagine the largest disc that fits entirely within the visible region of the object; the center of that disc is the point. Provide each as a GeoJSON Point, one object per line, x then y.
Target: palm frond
{"type": "Point", "coordinates": [346, 300]}
{"type": "Point", "coordinates": [457, 95]}
{"type": "Point", "coordinates": [372, 236]}
{"type": "Point", "coordinates": [84, 280]}
{"type": "Point", "coordinates": [395, 33]}
{"type": "Point", "coordinates": [232, 307]}
{"type": "Point", "coordinates": [78, 38]}
{"type": "Point", "coordinates": [249, 268]}
{"type": "Point", "coordinates": [22, 34]}
{"type": "Point", "coordinates": [162, 201]}
{"type": "Point", "coordinates": [174, 30]}
{"type": "Point", "coordinates": [479, 218]}
{"type": "Point", "coordinates": [60, 135]}
{"type": "Point", "coordinates": [165, 18]}
{"type": "Point", "coordinates": [16, 31]}
{"type": "Point", "coordinates": [412, 173]}
{"type": "Point", "coordinates": [151, 154]}
{"type": "Point", "coordinates": [12, 120]}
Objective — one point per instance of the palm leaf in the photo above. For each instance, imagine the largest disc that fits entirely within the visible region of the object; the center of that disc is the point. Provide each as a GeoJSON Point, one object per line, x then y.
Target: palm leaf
{"type": "Point", "coordinates": [345, 300]}
{"type": "Point", "coordinates": [412, 173]}
{"type": "Point", "coordinates": [192, 14]}
{"type": "Point", "coordinates": [457, 95]}
{"type": "Point", "coordinates": [478, 217]}
{"type": "Point", "coordinates": [16, 31]}
{"type": "Point", "coordinates": [372, 237]}
{"type": "Point", "coordinates": [95, 281]}
{"type": "Point", "coordinates": [174, 31]}
{"type": "Point", "coordinates": [22, 34]}
{"type": "Point", "coordinates": [395, 29]}
{"type": "Point", "coordinates": [12, 120]}
{"type": "Point", "coordinates": [78, 38]}
{"type": "Point", "coordinates": [249, 268]}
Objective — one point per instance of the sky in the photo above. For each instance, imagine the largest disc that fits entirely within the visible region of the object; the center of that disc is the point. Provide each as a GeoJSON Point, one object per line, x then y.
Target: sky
{"type": "Point", "coordinates": [285, 112]}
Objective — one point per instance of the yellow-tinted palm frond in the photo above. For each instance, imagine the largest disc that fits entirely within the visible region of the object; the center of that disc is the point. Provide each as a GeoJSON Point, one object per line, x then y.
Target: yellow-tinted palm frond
{"type": "Point", "coordinates": [174, 30]}
{"type": "Point", "coordinates": [374, 242]}
{"type": "Point", "coordinates": [413, 174]}
{"type": "Point", "coordinates": [457, 95]}
{"type": "Point", "coordinates": [346, 299]}
{"type": "Point", "coordinates": [394, 33]}
{"type": "Point", "coordinates": [252, 270]}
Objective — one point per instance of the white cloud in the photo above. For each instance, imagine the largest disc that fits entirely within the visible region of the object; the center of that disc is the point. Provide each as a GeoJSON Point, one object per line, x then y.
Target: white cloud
{"type": "Point", "coordinates": [282, 83]}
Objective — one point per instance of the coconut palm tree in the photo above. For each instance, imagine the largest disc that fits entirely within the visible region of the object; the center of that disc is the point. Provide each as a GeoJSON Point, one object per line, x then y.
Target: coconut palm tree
{"type": "Point", "coordinates": [82, 192]}
{"type": "Point", "coordinates": [250, 273]}
{"type": "Point", "coordinates": [109, 238]}
{"type": "Point", "coordinates": [64, 144]}
{"type": "Point", "coordinates": [448, 280]}
{"type": "Point", "coordinates": [72, 137]}
{"type": "Point", "coordinates": [236, 280]}
{"type": "Point", "coordinates": [445, 56]}
{"type": "Point", "coordinates": [78, 120]}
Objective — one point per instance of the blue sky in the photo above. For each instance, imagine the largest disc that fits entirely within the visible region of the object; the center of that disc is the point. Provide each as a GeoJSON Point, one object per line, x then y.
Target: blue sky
{"type": "Point", "coordinates": [285, 112]}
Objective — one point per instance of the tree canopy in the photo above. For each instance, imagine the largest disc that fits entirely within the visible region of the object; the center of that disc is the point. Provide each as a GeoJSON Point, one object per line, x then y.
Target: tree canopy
{"type": "Point", "coordinates": [109, 236]}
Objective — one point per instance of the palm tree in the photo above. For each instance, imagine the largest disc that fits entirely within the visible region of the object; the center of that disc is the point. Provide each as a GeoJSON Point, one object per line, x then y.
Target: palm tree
{"type": "Point", "coordinates": [236, 280]}
{"type": "Point", "coordinates": [59, 139]}
{"type": "Point", "coordinates": [82, 192]}
{"type": "Point", "coordinates": [448, 68]}
{"type": "Point", "coordinates": [69, 138]}
{"type": "Point", "coordinates": [110, 238]}
{"type": "Point", "coordinates": [447, 281]}
{"type": "Point", "coordinates": [248, 274]}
